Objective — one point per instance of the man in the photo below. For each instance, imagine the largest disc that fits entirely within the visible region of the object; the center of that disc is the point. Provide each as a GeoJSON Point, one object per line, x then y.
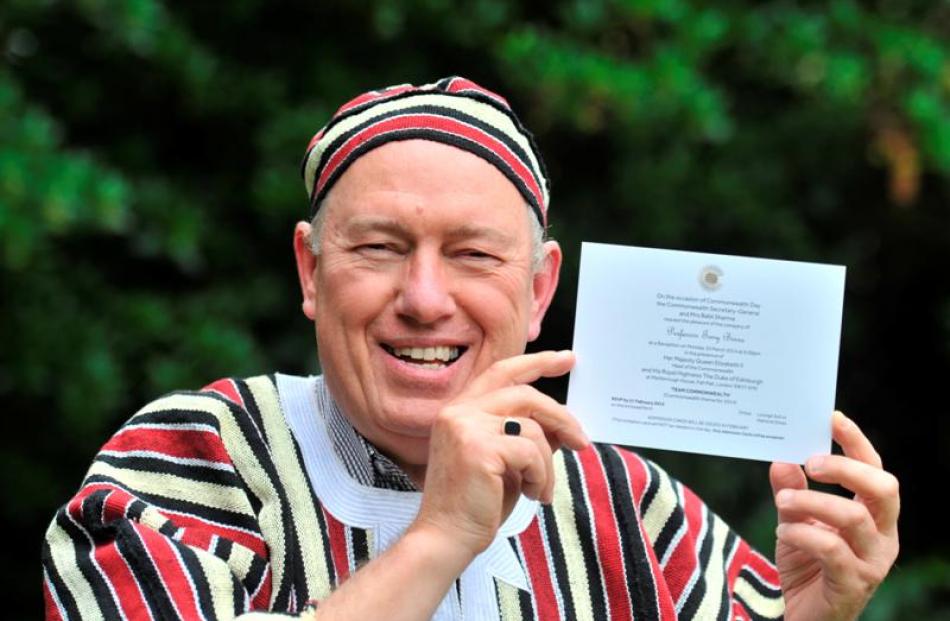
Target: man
{"type": "Point", "coordinates": [425, 272]}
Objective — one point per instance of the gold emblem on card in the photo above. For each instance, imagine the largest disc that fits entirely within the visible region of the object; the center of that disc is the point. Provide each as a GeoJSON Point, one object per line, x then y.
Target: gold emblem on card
{"type": "Point", "coordinates": [710, 277]}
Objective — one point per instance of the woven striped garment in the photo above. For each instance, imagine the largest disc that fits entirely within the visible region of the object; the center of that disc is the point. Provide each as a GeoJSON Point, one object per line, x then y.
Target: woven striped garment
{"type": "Point", "coordinates": [453, 111]}
{"type": "Point", "coordinates": [200, 507]}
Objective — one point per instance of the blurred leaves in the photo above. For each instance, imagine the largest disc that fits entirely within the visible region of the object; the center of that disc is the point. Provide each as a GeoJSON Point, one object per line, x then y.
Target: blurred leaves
{"type": "Point", "coordinates": [149, 182]}
{"type": "Point", "coordinates": [45, 192]}
{"type": "Point", "coordinates": [914, 591]}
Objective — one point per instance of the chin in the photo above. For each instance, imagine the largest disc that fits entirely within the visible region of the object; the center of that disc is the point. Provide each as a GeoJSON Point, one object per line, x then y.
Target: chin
{"type": "Point", "coordinates": [410, 420]}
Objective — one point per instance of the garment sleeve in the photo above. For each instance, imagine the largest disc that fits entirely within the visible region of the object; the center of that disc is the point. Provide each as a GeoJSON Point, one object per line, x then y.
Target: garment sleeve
{"type": "Point", "coordinates": [162, 527]}
{"type": "Point", "coordinates": [711, 571]}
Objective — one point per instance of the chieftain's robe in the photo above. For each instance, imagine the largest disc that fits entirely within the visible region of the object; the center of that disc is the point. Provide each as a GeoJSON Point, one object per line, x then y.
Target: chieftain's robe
{"type": "Point", "coordinates": [249, 499]}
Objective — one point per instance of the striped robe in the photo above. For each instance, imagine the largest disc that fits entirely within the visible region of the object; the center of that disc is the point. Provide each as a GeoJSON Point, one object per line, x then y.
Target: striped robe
{"type": "Point", "coordinates": [199, 507]}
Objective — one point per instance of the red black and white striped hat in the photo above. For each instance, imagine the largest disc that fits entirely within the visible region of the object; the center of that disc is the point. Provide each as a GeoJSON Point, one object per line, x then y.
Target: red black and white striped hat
{"type": "Point", "coordinates": [453, 111]}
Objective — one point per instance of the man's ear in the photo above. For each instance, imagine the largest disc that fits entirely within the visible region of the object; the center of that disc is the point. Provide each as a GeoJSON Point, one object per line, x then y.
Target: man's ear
{"type": "Point", "coordinates": [306, 266]}
{"type": "Point", "coordinates": [543, 285]}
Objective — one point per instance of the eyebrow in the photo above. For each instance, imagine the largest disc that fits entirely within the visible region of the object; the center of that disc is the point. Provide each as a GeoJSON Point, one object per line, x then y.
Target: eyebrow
{"type": "Point", "coordinates": [471, 231]}
{"type": "Point", "coordinates": [361, 226]}
{"type": "Point", "coordinates": [371, 224]}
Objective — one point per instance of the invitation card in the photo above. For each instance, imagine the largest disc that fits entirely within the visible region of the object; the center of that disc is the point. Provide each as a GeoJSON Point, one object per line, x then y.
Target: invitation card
{"type": "Point", "coordinates": [706, 353]}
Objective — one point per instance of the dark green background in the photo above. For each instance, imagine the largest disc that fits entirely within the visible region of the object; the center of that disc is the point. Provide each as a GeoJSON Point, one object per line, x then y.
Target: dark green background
{"type": "Point", "coordinates": [149, 184]}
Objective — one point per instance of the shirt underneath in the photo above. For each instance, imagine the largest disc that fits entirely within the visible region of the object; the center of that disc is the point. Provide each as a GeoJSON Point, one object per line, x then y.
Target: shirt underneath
{"type": "Point", "coordinates": [362, 460]}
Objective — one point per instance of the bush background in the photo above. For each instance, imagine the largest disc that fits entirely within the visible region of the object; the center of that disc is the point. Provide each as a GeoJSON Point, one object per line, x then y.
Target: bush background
{"type": "Point", "coordinates": [149, 184]}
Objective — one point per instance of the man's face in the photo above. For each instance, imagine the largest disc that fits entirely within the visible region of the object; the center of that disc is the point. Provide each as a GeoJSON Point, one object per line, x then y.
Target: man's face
{"type": "Point", "coordinates": [424, 279]}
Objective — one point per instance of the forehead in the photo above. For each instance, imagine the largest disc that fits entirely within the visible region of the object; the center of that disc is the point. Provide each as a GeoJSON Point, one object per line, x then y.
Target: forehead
{"type": "Point", "coordinates": [428, 183]}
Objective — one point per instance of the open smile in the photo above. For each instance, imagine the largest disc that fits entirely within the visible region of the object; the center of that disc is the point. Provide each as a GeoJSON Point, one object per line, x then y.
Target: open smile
{"type": "Point", "coordinates": [433, 358]}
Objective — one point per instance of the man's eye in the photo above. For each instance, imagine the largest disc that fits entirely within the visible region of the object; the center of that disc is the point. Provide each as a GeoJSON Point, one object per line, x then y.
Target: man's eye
{"type": "Point", "coordinates": [477, 255]}
{"type": "Point", "coordinates": [377, 248]}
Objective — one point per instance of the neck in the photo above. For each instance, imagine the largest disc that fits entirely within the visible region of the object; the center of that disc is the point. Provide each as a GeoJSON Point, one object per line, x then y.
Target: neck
{"type": "Point", "coordinates": [416, 472]}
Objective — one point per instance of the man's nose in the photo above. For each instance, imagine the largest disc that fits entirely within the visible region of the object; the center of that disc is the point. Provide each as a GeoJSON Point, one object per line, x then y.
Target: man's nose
{"type": "Point", "coordinates": [426, 292]}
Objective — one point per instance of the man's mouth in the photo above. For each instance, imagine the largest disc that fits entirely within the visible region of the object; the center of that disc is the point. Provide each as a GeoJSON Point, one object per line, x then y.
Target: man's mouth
{"type": "Point", "coordinates": [437, 357]}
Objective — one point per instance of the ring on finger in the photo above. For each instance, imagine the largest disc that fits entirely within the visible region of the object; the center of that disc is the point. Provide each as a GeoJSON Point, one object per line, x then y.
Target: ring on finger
{"type": "Point", "coordinates": [511, 427]}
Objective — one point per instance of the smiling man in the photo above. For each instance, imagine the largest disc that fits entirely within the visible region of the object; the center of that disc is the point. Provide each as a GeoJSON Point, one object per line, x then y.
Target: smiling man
{"type": "Point", "coordinates": [421, 476]}
{"type": "Point", "coordinates": [425, 276]}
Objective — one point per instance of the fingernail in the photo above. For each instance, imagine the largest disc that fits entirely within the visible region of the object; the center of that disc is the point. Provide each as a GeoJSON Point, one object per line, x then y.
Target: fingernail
{"type": "Point", "coordinates": [816, 465]}
{"type": "Point", "coordinates": [585, 436]}
{"type": "Point", "coordinates": [780, 530]}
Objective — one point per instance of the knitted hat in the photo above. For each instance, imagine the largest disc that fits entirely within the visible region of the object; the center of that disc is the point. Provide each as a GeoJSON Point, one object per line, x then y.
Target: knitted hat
{"type": "Point", "coordinates": [453, 111]}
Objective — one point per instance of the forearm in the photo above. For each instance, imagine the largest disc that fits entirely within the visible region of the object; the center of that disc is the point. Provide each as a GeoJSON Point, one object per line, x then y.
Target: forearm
{"type": "Point", "coordinates": [406, 583]}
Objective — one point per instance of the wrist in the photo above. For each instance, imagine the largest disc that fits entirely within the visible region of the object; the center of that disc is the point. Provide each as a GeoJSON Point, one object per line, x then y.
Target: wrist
{"type": "Point", "coordinates": [443, 546]}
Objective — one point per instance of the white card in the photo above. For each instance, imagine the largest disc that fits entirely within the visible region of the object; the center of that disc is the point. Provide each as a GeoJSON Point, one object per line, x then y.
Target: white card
{"type": "Point", "coordinates": [706, 353]}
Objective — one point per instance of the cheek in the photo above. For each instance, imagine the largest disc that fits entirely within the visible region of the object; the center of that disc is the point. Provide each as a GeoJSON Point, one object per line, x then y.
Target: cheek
{"type": "Point", "coordinates": [502, 310]}
{"type": "Point", "coordinates": [345, 297]}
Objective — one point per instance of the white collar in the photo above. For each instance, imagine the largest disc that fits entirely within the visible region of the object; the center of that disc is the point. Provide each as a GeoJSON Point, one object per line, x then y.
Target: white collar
{"type": "Point", "coordinates": [388, 513]}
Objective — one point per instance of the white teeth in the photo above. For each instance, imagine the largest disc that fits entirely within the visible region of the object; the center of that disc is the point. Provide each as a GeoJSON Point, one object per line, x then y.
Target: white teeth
{"type": "Point", "coordinates": [428, 354]}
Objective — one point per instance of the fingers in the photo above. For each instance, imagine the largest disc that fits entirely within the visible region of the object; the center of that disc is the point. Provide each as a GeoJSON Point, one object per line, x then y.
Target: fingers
{"type": "Point", "coordinates": [525, 401]}
{"type": "Point", "coordinates": [783, 476]}
{"type": "Point", "coordinates": [860, 478]}
{"type": "Point", "coordinates": [853, 541]}
{"type": "Point", "coordinates": [522, 369]}
{"type": "Point", "coordinates": [831, 551]}
{"type": "Point", "coordinates": [859, 470]}
{"type": "Point", "coordinates": [853, 441]}
{"type": "Point", "coordinates": [524, 456]}
{"type": "Point", "coordinates": [475, 471]}
{"type": "Point", "coordinates": [876, 488]}
{"type": "Point", "coordinates": [850, 519]}
{"type": "Point", "coordinates": [473, 440]}
{"type": "Point", "coordinates": [786, 476]}
{"type": "Point", "coordinates": [826, 558]}
{"type": "Point", "coordinates": [539, 483]}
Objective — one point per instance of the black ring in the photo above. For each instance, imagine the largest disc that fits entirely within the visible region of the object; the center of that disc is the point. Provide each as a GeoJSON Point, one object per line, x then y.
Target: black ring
{"type": "Point", "coordinates": [512, 427]}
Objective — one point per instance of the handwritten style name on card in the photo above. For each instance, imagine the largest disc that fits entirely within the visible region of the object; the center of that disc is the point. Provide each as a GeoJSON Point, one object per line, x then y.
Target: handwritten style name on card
{"type": "Point", "coordinates": [706, 353]}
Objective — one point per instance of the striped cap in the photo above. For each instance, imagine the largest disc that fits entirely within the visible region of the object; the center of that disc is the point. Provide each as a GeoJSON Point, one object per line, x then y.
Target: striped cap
{"type": "Point", "coordinates": [453, 111]}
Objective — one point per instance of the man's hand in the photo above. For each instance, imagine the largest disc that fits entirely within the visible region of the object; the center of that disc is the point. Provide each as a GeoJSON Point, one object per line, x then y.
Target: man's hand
{"type": "Point", "coordinates": [474, 477]}
{"type": "Point", "coordinates": [833, 552]}
{"type": "Point", "coordinates": [475, 472]}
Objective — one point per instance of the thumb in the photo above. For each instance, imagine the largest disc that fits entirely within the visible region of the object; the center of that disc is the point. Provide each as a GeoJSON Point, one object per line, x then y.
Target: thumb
{"type": "Point", "coordinates": [783, 476]}
{"type": "Point", "coordinates": [786, 476]}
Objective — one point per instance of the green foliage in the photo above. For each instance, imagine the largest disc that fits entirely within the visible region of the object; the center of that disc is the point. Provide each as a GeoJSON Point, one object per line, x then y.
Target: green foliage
{"type": "Point", "coordinates": [75, 192]}
{"type": "Point", "coordinates": [149, 183]}
{"type": "Point", "coordinates": [920, 590]}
